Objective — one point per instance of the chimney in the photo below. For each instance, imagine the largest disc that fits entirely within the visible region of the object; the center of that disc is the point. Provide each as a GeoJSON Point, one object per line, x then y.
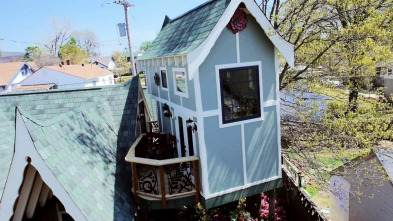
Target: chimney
{"type": "Point", "coordinates": [68, 62]}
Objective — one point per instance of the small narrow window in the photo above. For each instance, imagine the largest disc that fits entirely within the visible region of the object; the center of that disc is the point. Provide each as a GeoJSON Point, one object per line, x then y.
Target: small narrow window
{"type": "Point", "coordinates": [240, 93]}
{"type": "Point", "coordinates": [180, 81]}
{"type": "Point", "coordinates": [164, 82]}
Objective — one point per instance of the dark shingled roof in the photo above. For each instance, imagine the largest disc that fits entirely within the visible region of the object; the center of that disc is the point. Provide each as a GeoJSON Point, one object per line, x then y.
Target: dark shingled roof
{"type": "Point", "coordinates": [186, 32]}
{"type": "Point", "coordinates": [94, 125]}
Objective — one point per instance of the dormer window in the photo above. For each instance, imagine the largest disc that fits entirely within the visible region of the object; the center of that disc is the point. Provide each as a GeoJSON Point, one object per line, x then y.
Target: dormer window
{"type": "Point", "coordinates": [240, 94]}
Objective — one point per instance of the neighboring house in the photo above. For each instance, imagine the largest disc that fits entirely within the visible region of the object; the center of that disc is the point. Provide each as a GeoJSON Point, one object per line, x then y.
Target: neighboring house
{"type": "Point", "coordinates": [62, 153]}
{"type": "Point", "coordinates": [104, 62]}
{"type": "Point", "coordinates": [362, 189]}
{"type": "Point", "coordinates": [11, 74]}
{"type": "Point", "coordinates": [69, 76]}
{"type": "Point", "coordinates": [382, 71]}
{"type": "Point", "coordinates": [214, 74]}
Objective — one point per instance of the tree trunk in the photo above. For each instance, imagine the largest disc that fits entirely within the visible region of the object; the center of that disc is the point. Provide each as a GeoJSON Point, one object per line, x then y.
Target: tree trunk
{"type": "Point", "coordinates": [353, 94]}
{"type": "Point", "coordinates": [253, 205]}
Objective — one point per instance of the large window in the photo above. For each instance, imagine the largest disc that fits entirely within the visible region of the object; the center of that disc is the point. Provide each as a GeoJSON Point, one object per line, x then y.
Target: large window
{"type": "Point", "coordinates": [240, 93]}
{"type": "Point", "coordinates": [164, 82]}
{"type": "Point", "coordinates": [180, 83]}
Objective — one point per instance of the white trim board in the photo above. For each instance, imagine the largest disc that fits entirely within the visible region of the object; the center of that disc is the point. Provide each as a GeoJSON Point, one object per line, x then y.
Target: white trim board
{"type": "Point", "coordinates": [181, 94]}
{"type": "Point", "coordinates": [198, 55]}
{"type": "Point", "coordinates": [213, 195]}
{"type": "Point", "coordinates": [238, 65]}
{"type": "Point", "coordinates": [175, 106]}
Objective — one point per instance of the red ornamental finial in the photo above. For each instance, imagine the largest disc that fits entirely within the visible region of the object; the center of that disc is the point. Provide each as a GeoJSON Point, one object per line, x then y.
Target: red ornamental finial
{"type": "Point", "coordinates": [238, 21]}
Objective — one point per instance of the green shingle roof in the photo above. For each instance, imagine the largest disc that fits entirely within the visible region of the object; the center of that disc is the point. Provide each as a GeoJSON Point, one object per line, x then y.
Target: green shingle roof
{"type": "Point", "coordinates": [186, 32]}
{"type": "Point", "coordinates": [96, 126]}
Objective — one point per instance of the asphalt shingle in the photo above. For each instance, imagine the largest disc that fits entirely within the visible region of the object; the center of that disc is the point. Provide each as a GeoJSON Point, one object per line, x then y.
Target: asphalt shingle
{"type": "Point", "coordinates": [86, 124]}
{"type": "Point", "coordinates": [186, 32]}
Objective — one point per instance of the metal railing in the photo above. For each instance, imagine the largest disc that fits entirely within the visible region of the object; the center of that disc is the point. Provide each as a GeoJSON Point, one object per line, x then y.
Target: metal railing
{"type": "Point", "coordinates": [163, 179]}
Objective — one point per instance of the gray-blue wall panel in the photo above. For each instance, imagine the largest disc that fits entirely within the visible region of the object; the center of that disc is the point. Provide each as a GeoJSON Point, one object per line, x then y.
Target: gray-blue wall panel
{"type": "Point", "coordinates": [190, 101]}
{"type": "Point", "coordinates": [223, 52]}
{"type": "Point", "coordinates": [224, 155]}
{"type": "Point", "coordinates": [262, 147]}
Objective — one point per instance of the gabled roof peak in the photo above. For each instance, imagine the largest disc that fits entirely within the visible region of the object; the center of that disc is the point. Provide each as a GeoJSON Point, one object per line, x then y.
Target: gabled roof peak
{"type": "Point", "coordinates": [166, 21]}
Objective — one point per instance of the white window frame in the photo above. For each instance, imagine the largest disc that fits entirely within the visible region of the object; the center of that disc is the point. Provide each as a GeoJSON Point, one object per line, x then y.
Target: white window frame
{"type": "Point", "coordinates": [166, 73]}
{"type": "Point", "coordinates": [182, 94]}
{"type": "Point", "coordinates": [218, 82]}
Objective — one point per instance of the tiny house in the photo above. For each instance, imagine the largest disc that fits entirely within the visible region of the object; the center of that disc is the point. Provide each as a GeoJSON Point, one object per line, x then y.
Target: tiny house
{"type": "Point", "coordinates": [213, 72]}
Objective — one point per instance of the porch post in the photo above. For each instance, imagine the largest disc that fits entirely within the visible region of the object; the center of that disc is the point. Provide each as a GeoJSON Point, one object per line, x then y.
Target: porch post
{"type": "Point", "coordinates": [196, 180]}
{"type": "Point", "coordinates": [135, 181]}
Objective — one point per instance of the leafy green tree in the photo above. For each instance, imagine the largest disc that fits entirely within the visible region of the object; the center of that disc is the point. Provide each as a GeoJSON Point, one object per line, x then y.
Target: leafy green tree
{"type": "Point", "coordinates": [32, 53]}
{"type": "Point", "coordinates": [348, 37]}
{"type": "Point", "coordinates": [145, 45]}
{"type": "Point", "coordinates": [365, 30]}
{"type": "Point", "coordinates": [72, 52]}
{"type": "Point", "coordinates": [122, 65]}
{"type": "Point", "coordinates": [88, 41]}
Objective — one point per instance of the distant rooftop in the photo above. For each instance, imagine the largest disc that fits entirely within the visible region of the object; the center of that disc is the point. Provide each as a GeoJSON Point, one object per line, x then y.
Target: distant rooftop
{"type": "Point", "coordinates": [88, 71]}
{"type": "Point", "coordinates": [34, 87]}
{"type": "Point", "coordinates": [8, 71]}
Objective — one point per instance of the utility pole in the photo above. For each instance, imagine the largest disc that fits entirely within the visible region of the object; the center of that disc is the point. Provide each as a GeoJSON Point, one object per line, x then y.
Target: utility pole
{"type": "Point", "coordinates": [126, 6]}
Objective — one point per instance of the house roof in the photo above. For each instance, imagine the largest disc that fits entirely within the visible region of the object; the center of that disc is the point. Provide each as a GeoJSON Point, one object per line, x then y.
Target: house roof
{"type": "Point", "coordinates": [195, 32]}
{"type": "Point", "coordinates": [102, 60]}
{"type": "Point", "coordinates": [183, 34]}
{"type": "Point", "coordinates": [86, 72]}
{"type": "Point", "coordinates": [384, 153]}
{"type": "Point", "coordinates": [94, 125]}
{"type": "Point", "coordinates": [8, 71]}
{"type": "Point", "coordinates": [34, 87]}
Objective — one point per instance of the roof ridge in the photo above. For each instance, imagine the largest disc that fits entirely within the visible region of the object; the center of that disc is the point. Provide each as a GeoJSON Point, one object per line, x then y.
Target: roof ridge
{"type": "Point", "coordinates": [62, 116]}
{"type": "Point", "coordinates": [192, 10]}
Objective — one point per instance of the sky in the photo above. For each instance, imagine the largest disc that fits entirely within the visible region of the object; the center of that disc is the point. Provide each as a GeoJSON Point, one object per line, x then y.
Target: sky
{"type": "Point", "coordinates": [26, 23]}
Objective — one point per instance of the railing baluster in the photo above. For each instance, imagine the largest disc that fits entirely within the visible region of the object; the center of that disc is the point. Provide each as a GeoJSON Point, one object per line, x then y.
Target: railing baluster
{"type": "Point", "coordinates": [163, 193]}
{"type": "Point", "coordinates": [196, 180]}
{"type": "Point", "coordinates": [135, 181]}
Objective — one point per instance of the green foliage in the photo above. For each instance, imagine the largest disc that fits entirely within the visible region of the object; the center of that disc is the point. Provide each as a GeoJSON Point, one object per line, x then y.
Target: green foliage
{"type": "Point", "coordinates": [32, 53]}
{"type": "Point", "coordinates": [122, 66]}
{"type": "Point", "coordinates": [145, 45]}
{"type": "Point", "coordinates": [72, 52]}
{"type": "Point", "coordinates": [347, 37]}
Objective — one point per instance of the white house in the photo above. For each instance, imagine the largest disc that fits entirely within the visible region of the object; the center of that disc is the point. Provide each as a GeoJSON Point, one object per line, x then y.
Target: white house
{"type": "Point", "coordinates": [104, 62]}
{"type": "Point", "coordinates": [68, 76]}
{"type": "Point", "coordinates": [11, 74]}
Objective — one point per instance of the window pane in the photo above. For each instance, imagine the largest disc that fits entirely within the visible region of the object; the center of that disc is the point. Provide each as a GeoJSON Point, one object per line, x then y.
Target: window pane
{"type": "Point", "coordinates": [163, 77]}
{"type": "Point", "coordinates": [240, 93]}
{"type": "Point", "coordinates": [181, 81]}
